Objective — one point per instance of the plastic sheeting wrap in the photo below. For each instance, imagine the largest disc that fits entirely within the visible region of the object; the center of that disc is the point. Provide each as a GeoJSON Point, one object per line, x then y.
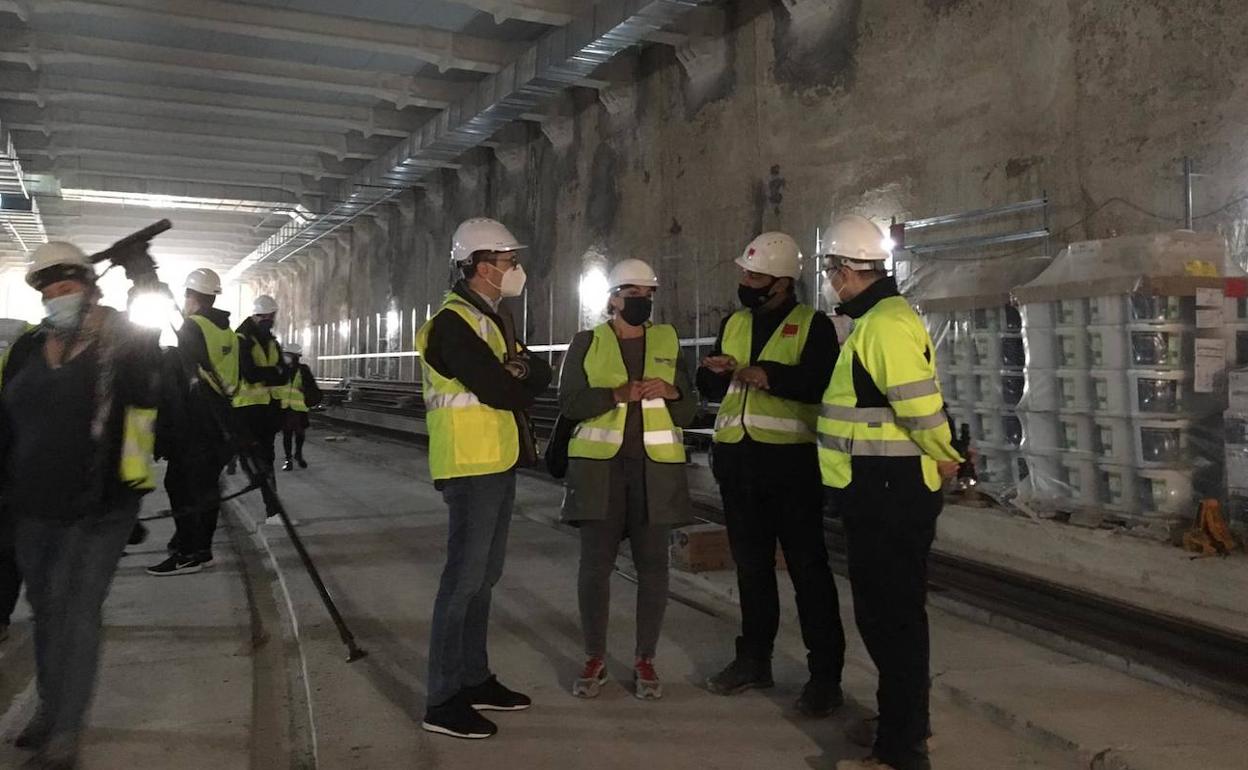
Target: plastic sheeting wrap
{"type": "Point", "coordinates": [1095, 383]}
{"type": "Point", "coordinates": [1127, 344]}
{"type": "Point", "coordinates": [980, 354]}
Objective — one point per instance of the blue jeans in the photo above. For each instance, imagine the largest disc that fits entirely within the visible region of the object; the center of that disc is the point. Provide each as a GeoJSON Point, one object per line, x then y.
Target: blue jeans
{"type": "Point", "coordinates": [480, 516]}
{"type": "Point", "coordinates": [68, 567]}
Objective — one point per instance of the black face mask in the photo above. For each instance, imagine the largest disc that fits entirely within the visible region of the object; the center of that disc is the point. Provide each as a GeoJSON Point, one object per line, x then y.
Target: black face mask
{"type": "Point", "coordinates": [636, 310]}
{"type": "Point", "coordinates": [751, 297]}
{"type": "Point", "coordinates": [265, 325]}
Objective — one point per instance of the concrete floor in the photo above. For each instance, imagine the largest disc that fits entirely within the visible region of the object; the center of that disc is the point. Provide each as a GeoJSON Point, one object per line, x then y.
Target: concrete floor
{"type": "Point", "coordinates": [208, 671]}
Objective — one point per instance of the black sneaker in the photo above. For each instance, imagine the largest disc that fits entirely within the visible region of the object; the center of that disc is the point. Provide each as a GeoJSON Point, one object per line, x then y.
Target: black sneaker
{"type": "Point", "coordinates": [820, 698]}
{"type": "Point", "coordinates": [491, 695]}
{"type": "Point", "coordinates": [288, 465]}
{"type": "Point", "coordinates": [205, 559]}
{"type": "Point", "coordinates": [458, 719]}
{"type": "Point", "coordinates": [176, 565]}
{"type": "Point", "coordinates": [740, 675]}
{"type": "Point", "coordinates": [302, 462]}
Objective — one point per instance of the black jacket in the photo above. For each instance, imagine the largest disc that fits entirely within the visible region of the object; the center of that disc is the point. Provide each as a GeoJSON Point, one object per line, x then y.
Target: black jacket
{"type": "Point", "coordinates": [250, 334]}
{"type": "Point", "coordinates": [805, 382]}
{"type": "Point", "coordinates": [455, 351]}
{"type": "Point", "coordinates": [311, 391]}
{"type": "Point", "coordinates": [130, 358]}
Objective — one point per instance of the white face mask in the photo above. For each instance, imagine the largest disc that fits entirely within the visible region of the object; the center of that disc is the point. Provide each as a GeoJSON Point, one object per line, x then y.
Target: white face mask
{"type": "Point", "coordinates": [513, 281]}
{"type": "Point", "coordinates": [63, 311]}
{"type": "Point", "coordinates": [830, 293]}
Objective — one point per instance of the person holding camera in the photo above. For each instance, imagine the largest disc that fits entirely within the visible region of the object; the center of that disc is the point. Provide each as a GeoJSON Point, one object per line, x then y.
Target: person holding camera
{"type": "Point", "coordinates": [261, 372]}
{"type": "Point", "coordinates": [477, 382]}
{"type": "Point", "coordinates": [625, 382]}
{"type": "Point", "coordinates": [77, 405]}
{"type": "Point", "coordinates": [298, 395]}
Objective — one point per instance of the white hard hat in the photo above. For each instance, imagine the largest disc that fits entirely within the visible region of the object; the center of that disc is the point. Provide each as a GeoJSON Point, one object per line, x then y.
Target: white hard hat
{"type": "Point", "coordinates": [204, 281]}
{"type": "Point", "coordinates": [858, 239]}
{"type": "Point", "coordinates": [264, 305]}
{"type": "Point", "coordinates": [481, 234]}
{"type": "Point", "coordinates": [294, 349]}
{"type": "Point", "coordinates": [57, 254]}
{"type": "Point", "coordinates": [774, 254]}
{"type": "Point", "coordinates": [631, 272]}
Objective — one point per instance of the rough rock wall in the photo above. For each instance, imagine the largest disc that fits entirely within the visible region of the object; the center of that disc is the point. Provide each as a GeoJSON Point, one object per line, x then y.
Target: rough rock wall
{"type": "Point", "coordinates": [891, 108]}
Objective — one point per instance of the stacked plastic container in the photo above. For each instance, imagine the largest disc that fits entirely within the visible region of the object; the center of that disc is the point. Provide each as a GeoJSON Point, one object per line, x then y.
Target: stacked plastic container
{"type": "Point", "coordinates": [981, 360]}
{"type": "Point", "coordinates": [1109, 424]}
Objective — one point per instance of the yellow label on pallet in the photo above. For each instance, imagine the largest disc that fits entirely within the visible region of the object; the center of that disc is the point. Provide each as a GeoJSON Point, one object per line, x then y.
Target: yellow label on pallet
{"type": "Point", "coordinates": [1200, 268]}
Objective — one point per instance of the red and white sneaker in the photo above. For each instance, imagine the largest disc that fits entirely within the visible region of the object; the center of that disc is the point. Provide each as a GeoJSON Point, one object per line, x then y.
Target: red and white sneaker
{"type": "Point", "coordinates": [646, 682]}
{"type": "Point", "coordinates": [591, 680]}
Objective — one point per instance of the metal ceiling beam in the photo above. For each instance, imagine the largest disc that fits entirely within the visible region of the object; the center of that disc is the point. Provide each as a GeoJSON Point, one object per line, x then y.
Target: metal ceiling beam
{"type": "Point", "coordinates": [556, 13]}
{"type": "Point", "coordinates": [448, 50]}
{"type": "Point", "coordinates": [36, 50]}
{"type": "Point", "coordinates": [165, 130]}
{"type": "Point", "coordinates": [87, 145]}
{"type": "Point", "coordinates": [108, 173]}
{"type": "Point", "coordinates": [212, 107]}
{"type": "Point", "coordinates": [553, 63]}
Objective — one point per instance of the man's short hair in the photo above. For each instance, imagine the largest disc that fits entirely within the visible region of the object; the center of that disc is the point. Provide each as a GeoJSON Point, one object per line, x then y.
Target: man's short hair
{"type": "Point", "coordinates": [207, 300]}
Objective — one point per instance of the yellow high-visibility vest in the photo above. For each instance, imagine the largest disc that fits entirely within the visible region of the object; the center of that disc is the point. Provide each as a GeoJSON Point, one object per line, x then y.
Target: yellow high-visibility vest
{"type": "Point", "coordinates": [222, 345]}
{"type": "Point", "coordinates": [257, 393]}
{"type": "Point", "coordinates": [600, 438]}
{"type": "Point", "coordinates": [892, 345]}
{"type": "Point", "coordinates": [291, 394]}
{"type": "Point", "coordinates": [744, 410]}
{"type": "Point", "coordinates": [466, 437]}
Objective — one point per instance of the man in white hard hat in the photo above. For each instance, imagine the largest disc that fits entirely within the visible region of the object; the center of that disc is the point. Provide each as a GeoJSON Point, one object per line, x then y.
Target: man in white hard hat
{"type": "Point", "coordinates": [478, 381]}
{"type": "Point", "coordinates": [884, 448]}
{"type": "Point", "coordinates": [261, 372]}
{"type": "Point", "coordinates": [208, 351]}
{"type": "Point", "coordinates": [768, 370]}
{"type": "Point", "coordinates": [78, 397]}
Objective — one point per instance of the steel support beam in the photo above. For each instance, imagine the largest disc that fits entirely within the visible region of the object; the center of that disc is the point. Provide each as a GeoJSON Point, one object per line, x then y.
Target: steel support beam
{"type": "Point", "coordinates": [209, 106]}
{"type": "Point", "coordinates": [37, 50]}
{"type": "Point", "coordinates": [111, 174]}
{"type": "Point", "coordinates": [86, 146]}
{"type": "Point", "coordinates": [448, 50]}
{"type": "Point", "coordinates": [556, 13]}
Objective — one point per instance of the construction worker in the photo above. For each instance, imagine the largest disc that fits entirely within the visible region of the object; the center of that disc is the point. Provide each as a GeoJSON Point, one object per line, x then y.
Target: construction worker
{"type": "Point", "coordinates": [208, 355]}
{"type": "Point", "coordinates": [261, 372]}
{"type": "Point", "coordinates": [77, 401]}
{"type": "Point", "coordinates": [884, 447]}
{"type": "Point", "coordinates": [626, 385]}
{"type": "Point", "coordinates": [768, 370]}
{"type": "Point", "coordinates": [478, 380]}
{"type": "Point", "coordinates": [297, 396]}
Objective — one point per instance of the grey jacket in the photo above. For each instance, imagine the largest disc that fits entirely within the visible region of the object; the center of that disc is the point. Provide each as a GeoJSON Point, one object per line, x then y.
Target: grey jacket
{"type": "Point", "coordinates": [667, 489]}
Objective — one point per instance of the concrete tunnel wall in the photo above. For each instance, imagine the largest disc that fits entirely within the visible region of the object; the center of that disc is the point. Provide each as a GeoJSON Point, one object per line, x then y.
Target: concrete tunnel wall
{"type": "Point", "coordinates": [892, 108]}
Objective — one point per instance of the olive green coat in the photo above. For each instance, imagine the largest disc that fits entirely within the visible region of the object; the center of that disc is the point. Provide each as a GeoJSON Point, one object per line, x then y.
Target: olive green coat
{"type": "Point", "coordinates": [585, 497]}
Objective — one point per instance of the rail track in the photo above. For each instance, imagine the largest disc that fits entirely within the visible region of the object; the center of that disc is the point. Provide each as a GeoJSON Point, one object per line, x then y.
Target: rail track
{"type": "Point", "coordinates": [1198, 655]}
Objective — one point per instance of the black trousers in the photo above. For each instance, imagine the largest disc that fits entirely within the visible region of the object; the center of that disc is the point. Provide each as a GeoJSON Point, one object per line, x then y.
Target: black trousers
{"type": "Point", "coordinates": [773, 494]}
{"type": "Point", "coordinates": [294, 429]}
{"type": "Point", "coordinates": [10, 576]}
{"type": "Point", "coordinates": [194, 486]}
{"type": "Point", "coordinates": [262, 424]}
{"type": "Point", "coordinates": [889, 526]}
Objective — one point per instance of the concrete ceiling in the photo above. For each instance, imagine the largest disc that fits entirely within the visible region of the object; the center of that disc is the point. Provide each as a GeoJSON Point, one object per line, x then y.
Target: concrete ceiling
{"type": "Point", "coordinates": [251, 113]}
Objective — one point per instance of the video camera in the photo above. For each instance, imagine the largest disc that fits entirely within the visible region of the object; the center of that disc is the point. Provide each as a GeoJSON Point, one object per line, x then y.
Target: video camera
{"type": "Point", "coordinates": [130, 254]}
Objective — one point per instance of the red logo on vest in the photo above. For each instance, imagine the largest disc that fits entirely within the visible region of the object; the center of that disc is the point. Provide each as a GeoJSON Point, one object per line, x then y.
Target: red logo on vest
{"type": "Point", "coordinates": [790, 330]}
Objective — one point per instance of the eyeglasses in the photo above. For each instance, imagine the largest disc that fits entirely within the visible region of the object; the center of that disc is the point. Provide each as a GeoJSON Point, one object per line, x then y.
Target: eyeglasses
{"type": "Point", "coordinates": [508, 262]}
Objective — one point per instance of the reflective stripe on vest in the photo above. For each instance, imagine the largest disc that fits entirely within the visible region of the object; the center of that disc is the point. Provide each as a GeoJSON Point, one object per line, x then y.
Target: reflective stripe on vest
{"type": "Point", "coordinates": [222, 346]}
{"type": "Point", "coordinates": [847, 430]}
{"type": "Point", "coordinates": [256, 393]}
{"type": "Point", "coordinates": [744, 410]}
{"type": "Point", "coordinates": [291, 394]}
{"type": "Point", "coordinates": [137, 445]}
{"type": "Point", "coordinates": [600, 438]}
{"type": "Point", "coordinates": [466, 437]}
